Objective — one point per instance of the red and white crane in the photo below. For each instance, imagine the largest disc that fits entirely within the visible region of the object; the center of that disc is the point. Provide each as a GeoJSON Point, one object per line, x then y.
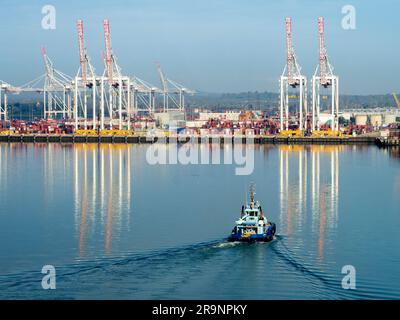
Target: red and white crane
{"type": "Point", "coordinates": [115, 87]}
{"type": "Point", "coordinates": [322, 52]}
{"type": "Point", "coordinates": [324, 78]}
{"type": "Point", "coordinates": [108, 53]}
{"type": "Point", "coordinates": [293, 68]}
{"type": "Point", "coordinates": [117, 96]}
{"type": "Point", "coordinates": [85, 79]}
{"type": "Point", "coordinates": [292, 77]}
{"type": "Point", "coordinates": [82, 51]}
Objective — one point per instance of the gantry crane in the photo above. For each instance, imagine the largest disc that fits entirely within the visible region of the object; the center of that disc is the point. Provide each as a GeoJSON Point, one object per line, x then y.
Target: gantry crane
{"type": "Point", "coordinates": [56, 90]}
{"type": "Point", "coordinates": [84, 80]}
{"type": "Point", "coordinates": [292, 77]}
{"type": "Point", "coordinates": [324, 77]}
{"type": "Point", "coordinates": [113, 94]}
{"type": "Point", "coordinates": [118, 85]}
{"type": "Point", "coordinates": [178, 103]}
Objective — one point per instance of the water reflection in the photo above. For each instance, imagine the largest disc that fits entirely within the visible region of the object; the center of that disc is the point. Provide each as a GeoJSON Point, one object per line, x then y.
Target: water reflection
{"type": "Point", "coordinates": [106, 168]}
{"type": "Point", "coordinates": [101, 181]}
{"type": "Point", "coordinates": [3, 168]}
{"type": "Point", "coordinates": [63, 203]}
{"type": "Point", "coordinates": [297, 165]}
{"type": "Point", "coordinates": [95, 181]}
{"type": "Point", "coordinates": [394, 152]}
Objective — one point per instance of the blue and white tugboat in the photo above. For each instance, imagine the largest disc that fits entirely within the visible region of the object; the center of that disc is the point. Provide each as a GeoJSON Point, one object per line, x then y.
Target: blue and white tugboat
{"type": "Point", "coordinates": [253, 225]}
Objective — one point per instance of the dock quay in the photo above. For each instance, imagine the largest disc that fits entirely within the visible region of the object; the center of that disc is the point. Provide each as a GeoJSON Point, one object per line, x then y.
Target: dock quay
{"type": "Point", "coordinates": [388, 142]}
{"type": "Point", "coordinates": [142, 139]}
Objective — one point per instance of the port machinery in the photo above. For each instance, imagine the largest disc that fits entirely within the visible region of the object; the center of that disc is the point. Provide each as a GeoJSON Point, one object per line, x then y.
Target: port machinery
{"type": "Point", "coordinates": [292, 77]}
{"type": "Point", "coordinates": [120, 96]}
{"type": "Point", "coordinates": [110, 93]}
{"type": "Point", "coordinates": [114, 97]}
{"type": "Point", "coordinates": [55, 86]}
{"type": "Point", "coordinates": [5, 88]}
{"type": "Point", "coordinates": [323, 78]}
{"type": "Point", "coordinates": [173, 92]}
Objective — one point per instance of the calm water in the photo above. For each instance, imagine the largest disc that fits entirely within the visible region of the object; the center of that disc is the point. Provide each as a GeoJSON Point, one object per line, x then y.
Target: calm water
{"type": "Point", "coordinates": [115, 226]}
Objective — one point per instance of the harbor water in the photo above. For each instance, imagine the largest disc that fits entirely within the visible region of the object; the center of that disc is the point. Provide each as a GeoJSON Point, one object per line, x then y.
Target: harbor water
{"type": "Point", "coordinates": [116, 226]}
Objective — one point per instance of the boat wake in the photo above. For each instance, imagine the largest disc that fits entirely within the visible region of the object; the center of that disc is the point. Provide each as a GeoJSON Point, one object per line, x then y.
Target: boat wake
{"type": "Point", "coordinates": [288, 256]}
{"type": "Point", "coordinates": [224, 245]}
{"type": "Point", "coordinates": [161, 273]}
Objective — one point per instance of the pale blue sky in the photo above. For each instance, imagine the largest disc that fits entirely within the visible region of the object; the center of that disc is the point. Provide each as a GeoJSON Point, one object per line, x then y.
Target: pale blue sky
{"type": "Point", "coordinates": [208, 45]}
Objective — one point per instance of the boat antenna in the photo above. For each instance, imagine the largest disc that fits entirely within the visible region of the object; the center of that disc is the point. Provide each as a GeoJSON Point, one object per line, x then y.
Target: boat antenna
{"type": "Point", "coordinates": [252, 192]}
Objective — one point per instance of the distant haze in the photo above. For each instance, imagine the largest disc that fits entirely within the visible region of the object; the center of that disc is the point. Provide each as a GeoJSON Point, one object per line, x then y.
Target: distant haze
{"type": "Point", "coordinates": [208, 45]}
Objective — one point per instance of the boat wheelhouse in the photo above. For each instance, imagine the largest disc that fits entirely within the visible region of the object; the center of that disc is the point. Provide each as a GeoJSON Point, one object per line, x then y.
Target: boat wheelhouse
{"type": "Point", "coordinates": [253, 225]}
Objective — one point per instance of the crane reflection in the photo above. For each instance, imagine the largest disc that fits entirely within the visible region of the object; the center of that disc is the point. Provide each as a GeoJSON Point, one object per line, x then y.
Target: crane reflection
{"type": "Point", "coordinates": [102, 170]}
{"type": "Point", "coordinates": [297, 165]}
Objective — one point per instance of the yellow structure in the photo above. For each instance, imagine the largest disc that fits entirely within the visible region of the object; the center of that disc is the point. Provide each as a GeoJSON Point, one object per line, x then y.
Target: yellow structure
{"type": "Point", "coordinates": [6, 132]}
{"type": "Point", "coordinates": [291, 133]}
{"type": "Point", "coordinates": [104, 132]}
{"type": "Point", "coordinates": [116, 132]}
{"type": "Point", "coordinates": [327, 133]}
{"type": "Point", "coordinates": [86, 132]}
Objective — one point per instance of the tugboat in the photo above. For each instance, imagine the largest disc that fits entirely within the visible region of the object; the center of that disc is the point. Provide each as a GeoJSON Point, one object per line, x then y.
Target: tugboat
{"type": "Point", "coordinates": [253, 225]}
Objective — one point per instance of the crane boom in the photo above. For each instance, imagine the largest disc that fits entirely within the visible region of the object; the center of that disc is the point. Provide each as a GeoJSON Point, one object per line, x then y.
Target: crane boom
{"type": "Point", "coordinates": [82, 53]}
{"type": "Point", "coordinates": [47, 63]}
{"type": "Point", "coordinates": [289, 47]}
{"type": "Point", "coordinates": [108, 53]}
{"type": "Point", "coordinates": [322, 52]}
{"type": "Point", "coordinates": [162, 78]}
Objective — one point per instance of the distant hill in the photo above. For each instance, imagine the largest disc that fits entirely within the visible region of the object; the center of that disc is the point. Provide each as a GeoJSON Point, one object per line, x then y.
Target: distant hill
{"type": "Point", "coordinates": [270, 100]}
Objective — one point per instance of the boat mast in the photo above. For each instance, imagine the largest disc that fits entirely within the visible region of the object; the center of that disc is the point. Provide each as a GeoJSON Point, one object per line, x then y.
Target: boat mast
{"type": "Point", "coordinates": [252, 192]}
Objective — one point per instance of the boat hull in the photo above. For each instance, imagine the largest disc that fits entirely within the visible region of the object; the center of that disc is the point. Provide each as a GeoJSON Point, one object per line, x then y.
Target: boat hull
{"type": "Point", "coordinates": [254, 238]}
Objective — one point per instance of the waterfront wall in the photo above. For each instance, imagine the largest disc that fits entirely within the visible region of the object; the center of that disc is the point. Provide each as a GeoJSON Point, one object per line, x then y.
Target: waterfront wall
{"type": "Point", "coordinates": [43, 138]}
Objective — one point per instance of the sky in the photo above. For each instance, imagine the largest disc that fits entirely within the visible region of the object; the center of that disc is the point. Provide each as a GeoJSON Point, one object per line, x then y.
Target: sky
{"type": "Point", "coordinates": [207, 45]}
